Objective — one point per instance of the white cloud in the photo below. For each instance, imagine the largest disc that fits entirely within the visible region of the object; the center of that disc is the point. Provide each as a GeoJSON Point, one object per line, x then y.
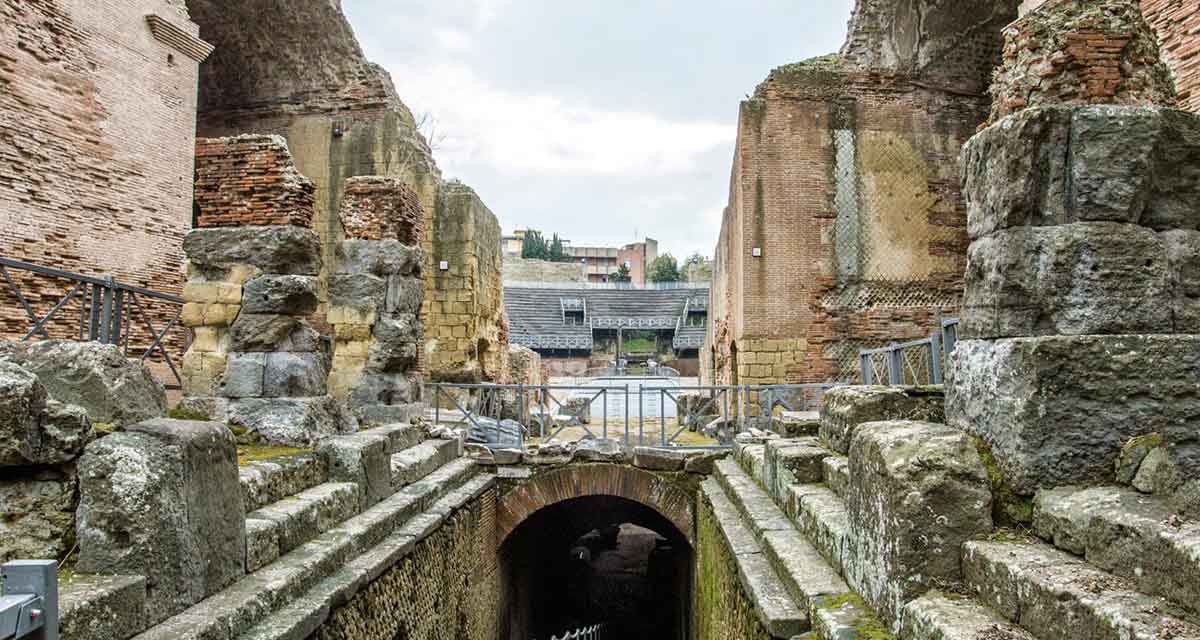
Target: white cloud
{"type": "Point", "coordinates": [543, 133]}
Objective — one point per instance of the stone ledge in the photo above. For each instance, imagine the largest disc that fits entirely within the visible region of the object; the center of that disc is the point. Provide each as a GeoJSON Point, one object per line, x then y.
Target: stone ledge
{"type": "Point", "coordinates": [102, 607]}
{"type": "Point", "coordinates": [938, 617]}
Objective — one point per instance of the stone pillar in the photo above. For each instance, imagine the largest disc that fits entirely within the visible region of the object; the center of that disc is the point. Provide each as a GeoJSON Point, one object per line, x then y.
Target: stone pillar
{"type": "Point", "coordinates": [1080, 320]}
{"type": "Point", "coordinates": [375, 295]}
{"type": "Point", "coordinates": [253, 262]}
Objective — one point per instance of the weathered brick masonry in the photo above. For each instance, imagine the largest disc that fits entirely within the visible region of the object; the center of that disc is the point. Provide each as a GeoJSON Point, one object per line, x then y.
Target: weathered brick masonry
{"type": "Point", "coordinates": [250, 180]}
{"type": "Point", "coordinates": [845, 182]}
{"type": "Point", "coordinates": [1177, 23]}
{"type": "Point", "coordinates": [97, 122]}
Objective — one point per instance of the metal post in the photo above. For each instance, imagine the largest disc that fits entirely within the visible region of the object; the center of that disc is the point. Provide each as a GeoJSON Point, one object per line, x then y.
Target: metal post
{"type": "Point", "coordinates": [114, 332]}
{"type": "Point", "coordinates": [521, 411]}
{"type": "Point", "coordinates": [437, 404]}
{"type": "Point", "coordinates": [542, 425]}
{"type": "Point", "coordinates": [106, 316]}
{"type": "Point", "coordinates": [94, 319]}
{"type": "Point", "coordinates": [864, 364]}
{"type": "Point", "coordinates": [626, 414]}
{"type": "Point", "coordinates": [604, 402]}
{"type": "Point", "coordinates": [895, 368]}
{"type": "Point", "coordinates": [935, 358]}
{"type": "Point", "coordinates": [662, 415]}
{"type": "Point", "coordinates": [29, 600]}
{"type": "Point", "coordinates": [641, 417]}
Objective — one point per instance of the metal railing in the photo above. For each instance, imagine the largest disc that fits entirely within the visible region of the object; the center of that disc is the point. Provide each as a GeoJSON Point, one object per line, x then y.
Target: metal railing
{"type": "Point", "coordinates": [647, 412]}
{"type": "Point", "coordinates": [651, 286]}
{"type": "Point", "coordinates": [594, 632]}
{"type": "Point", "coordinates": [29, 600]}
{"type": "Point", "coordinates": [109, 312]}
{"type": "Point", "coordinates": [911, 363]}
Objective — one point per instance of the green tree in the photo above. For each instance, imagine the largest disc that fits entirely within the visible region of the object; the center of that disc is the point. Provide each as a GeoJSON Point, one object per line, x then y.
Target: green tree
{"type": "Point", "coordinates": [696, 269]}
{"type": "Point", "coordinates": [534, 247]}
{"type": "Point", "coordinates": [557, 253]}
{"type": "Point", "coordinates": [622, 274]}
{"type": "Point", "coordinates": [664, 269]}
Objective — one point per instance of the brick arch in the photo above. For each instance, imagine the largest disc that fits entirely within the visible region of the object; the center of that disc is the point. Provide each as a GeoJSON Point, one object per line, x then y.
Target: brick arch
{"type": "Point", "coordinates": [570, 482]}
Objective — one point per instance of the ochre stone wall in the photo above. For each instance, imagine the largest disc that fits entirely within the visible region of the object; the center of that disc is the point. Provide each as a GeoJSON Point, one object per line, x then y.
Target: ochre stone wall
{"type": "Point", "coordinates": [445, 588]}
{"type": "Point", "coordinates": [464, 308]}
{"type": "Point", "coordinates": [97, 122]}
{"type": "Point", "coordinates": [250, 180]}
{"type": "Point", "coordinates": [522, 270]}
{"type": "Point", "coordinates": [722, 611]}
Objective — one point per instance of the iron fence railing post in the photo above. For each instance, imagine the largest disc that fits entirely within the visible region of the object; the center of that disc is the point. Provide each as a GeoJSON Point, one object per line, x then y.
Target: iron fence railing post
{"type": "Point", "coordinates": [935, 359]}
{"type": "Point", "coordinates": [864, 363]}
{"type": "Point", "coordinates": [895, 366]}
{"type": "Point", "coordinates": [94, 316]}
{"type": "Point", "coordinates": [604, 404]}
{"type": "Point", "coordinates": [437, 404]}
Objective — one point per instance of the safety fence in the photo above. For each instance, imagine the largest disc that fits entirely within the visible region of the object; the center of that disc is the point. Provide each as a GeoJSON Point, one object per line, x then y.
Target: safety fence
{"type": "Point", "coordinates": [103, 310]}
{"type": "Point", "coordinates": [655, 412]}
{"type": "Point", "coordinates": [594, 632]}
{"type": "Point", "coordinates": [29, 600]}
{"type": "Point", "coordinates": [917, 362]}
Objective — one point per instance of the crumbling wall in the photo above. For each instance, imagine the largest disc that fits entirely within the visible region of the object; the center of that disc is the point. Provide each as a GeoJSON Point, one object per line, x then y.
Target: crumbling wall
{"type": "Point", "coordinates": [97, 122]}
{"type": "Point", "coordinates": [256, 362]}
{"type": "Point", "coordinates": [1177, 23]}
{"type": "Point", "coordinates": [375, 294]}
{"type": "Point", "coordinates": [464, 305]}
{"type": "Point", "coordinates": [446, 587]}
{"type": "Point", "coordinates": [295, 69]}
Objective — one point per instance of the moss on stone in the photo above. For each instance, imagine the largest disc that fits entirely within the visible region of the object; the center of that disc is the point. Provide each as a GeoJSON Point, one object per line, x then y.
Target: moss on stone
{"type": "Point", "coordinates": [865, 624]}
{"type": "Point", "coordinates": [255, 453]}
{"type": "Point", "coordinates": [183, 413]}
{"type": "Point", "coordinates": [1009, 508]}
{"type": "Point", "coordinates": [104, 428]}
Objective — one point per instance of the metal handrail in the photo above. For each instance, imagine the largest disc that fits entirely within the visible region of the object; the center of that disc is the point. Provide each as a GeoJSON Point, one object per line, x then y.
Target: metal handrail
{"type": "Point", "coordinates": [939, 346]}
{"type": "Point", "coordinates": [108, 311]}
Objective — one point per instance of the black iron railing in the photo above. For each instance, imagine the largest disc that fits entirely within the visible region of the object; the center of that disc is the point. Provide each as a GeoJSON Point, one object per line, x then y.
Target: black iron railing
{"type": "Point", "coordinates": [109, 312]}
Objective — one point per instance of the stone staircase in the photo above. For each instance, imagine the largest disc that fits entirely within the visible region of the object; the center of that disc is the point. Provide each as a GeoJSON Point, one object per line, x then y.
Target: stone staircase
{"type": "Point", "coordinates": [1108, 563]}
{"type": "Point", "coordinates": [319, 527]}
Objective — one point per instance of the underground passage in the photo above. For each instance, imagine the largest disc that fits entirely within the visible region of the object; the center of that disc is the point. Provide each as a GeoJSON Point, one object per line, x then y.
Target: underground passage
{"type": "Point", "coordinates": [596, 560]}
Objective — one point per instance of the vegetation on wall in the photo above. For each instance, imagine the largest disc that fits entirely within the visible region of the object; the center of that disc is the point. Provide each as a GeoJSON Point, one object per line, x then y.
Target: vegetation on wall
{"type": "Point", "coordinates": [696, 269]}
{"type": "Point", "coordinates": [622, 275]}
{"type": "Point", "coordinates": [536, 247]}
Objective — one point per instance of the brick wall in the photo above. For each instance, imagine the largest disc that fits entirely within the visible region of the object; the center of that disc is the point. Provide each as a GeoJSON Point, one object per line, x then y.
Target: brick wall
{"type": "Point", "coordinates": [845, 183]}
{"type": "Point", "coordinates": [250, 180]}
{"type": "Point", "coordinates": [1080, 52]}
{"type": "Point", "coordinates": [97, 121]}
{"type": "Point", "coordinates": [378, 208]}
{"type": "Point", "coordinates": [1177, 23]}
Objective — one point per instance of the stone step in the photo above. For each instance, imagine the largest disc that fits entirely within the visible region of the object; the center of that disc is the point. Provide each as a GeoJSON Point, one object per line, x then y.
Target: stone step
{"type": "Point", "coordinates": [267, 481]}
{"type": "Point", "coordinates": [280, 527]}
{"type": "Point", "coordinates": [400, 436]}
{"type": "Point", "coordinates": [753, 458]}
{"type": "Point", "coordinates": [1128, 534]}
{"type": "Point", "coordinates": [790, 461]}
{"type": "Point", "coordinates": [807, 576]}
{"type": "Point", "coordinates": [416, 462]}
{"type": "Point", "coordinates": [239, 607]}
{"type": "Point", "coordinates": [303, 616]}
{"type": "Point", "coordinates": [1045, 591]}
{"type": "Point", "coordinates": [773, 605]}
{"type": "Point", "coordinates": [848, 618]}
{"type": "Point", "coordinates": [836, 474]}
{"type": "Point", "coordinates": [102, 607]}
{"type": "Point", "coordinates": [821, 516]}
{"type": "Point", "coordinates": [936, 616]}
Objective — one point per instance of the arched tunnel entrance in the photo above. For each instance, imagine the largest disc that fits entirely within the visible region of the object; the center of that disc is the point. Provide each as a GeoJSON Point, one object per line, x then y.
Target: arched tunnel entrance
{"type": "Point", "coordinates": [597, 559]}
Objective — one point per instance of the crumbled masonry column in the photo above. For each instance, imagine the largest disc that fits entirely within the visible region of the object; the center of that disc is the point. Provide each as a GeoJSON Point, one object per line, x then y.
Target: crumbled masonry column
{"type": "Point", "coordinates": [252, 282]}
{"type": "Point", "coordinates": [375, 295]}
{"type": "Point", "coordinates": [1081, 313]}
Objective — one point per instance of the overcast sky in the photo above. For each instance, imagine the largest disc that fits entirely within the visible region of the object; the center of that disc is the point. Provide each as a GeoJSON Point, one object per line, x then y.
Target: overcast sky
{"type": "Point", "coordinates": [606, 121]}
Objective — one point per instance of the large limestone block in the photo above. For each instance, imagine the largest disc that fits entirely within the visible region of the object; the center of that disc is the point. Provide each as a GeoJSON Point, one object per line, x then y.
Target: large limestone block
{"type": "Point", "coordinates": [162, 500]}
{"type": "Point", "coordinates": [287, 375]}
{"type": "Point", "coordinates": [281, 249]}
{"type": "Point", "coordinates": [362, 459]}
{"type": "Point", "coordinates": [917, 491]}
{"type": "Point", "coordinates": [272, 332]}
{"type": "Point", "coordinates": [386, 388]}
{"type": "Point", "coordinates": [404, 294]}
{"type": "Point", "coordinates": [1057, 165]}
{"type": "Point", "coordinates": [296, 422]}
{"type": "Point", "coordinates": [1057, 410]}
{"type": "Point", "coordinates": [1072, 279]}
{"type": "Point", "coordinates": [94, 376]}
{"type": "Point", "coordinates": [845, 408]}
{"type": "Point", "coordinates": [396, 343]}
{"type": "Point", "coordinates": [361, 291]}
{"type": "Point", "coordinates": [380, 257]}
{"type": "Point", "coordinates": [22, 406]}
{"type": "Point", "coordinates": [286, 294]}
{"type": "Point", "coordinates": [39, 513]}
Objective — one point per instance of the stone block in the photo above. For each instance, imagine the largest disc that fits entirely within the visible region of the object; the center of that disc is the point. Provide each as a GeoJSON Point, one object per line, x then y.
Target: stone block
{"type": "Point", "coordinates": [387, 389]}
{"type": "Point", "coordinates": [845, 408]}
{"type": "Point", "coordinates": [792, 461]}
{"type": "Point", "coordinates": [281, 249]}
{"type": "Point", "coordinates": [1071, 279]}
{"type": "Point", "coordinates": [388, 413]}
{"type": "Point", "coordinates": [395, 348]}
{"type": "Point", "coordinates": [39, 513]}
{"type": "Point", "coordinates": [380, 257]}
{"type": "Point", "coordinates": [260, 332]}
{"type": "Point", "coordinates": [351, 315]}
{"type": "Point", "coordinates": [207, 340]}
{"type": "Point", "coordinates": [291, 375]}
{"type": "Point", "coordinates": [284, 294]}
{"type": "Point", "coordinates": [361, 459]}
{"type": "Point", "coordinates": [243, 376]}
{"type": "Point", "coordinates": [1058, 410]}
{"type": "Point", "coordinates": [404, 294]}
{"type": "Point", "coordinates": [97, 377]}
{"type": "Point", "coordinates": [1057, 165]}
{"type": "Point", "coordinates": [162, 500]}
{"type": "Point", "coordinates": [658, 459]}
{"type": "Point", "coordinates": [917, 492]}
{"type": "Point", "coordinates": [102, 607]}
{"type": "Point", "coordinates": [296, 422]}
{"type": "Point", "coordinates": [361, 290]}
{"type": "Point", "coordinates": [201, 373]}
{"type": "Point", "coordinates": [22, 407]}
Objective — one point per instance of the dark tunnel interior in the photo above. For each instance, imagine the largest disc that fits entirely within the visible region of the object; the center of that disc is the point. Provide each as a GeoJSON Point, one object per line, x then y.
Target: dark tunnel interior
{"type": "Point", "coordinates": [596, 560]}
